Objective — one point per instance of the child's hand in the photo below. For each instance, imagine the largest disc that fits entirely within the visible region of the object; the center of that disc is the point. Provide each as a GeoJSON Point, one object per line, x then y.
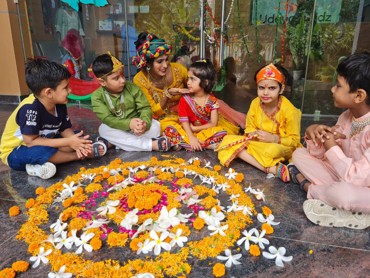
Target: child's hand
{"type": "Point", "coordinates": [138, 126]}
{"type": "Point", "coordinates": [319, 133]}
{"type": "Point", "coordinates": [337, 134]}
{"type": "Point", "coordinates": [81, 144]}
{"type": "Point", "coordinates": [267, 137]}
{"type": "Point", "coordinates": [195, 143]}
{"type": "Point", "coordinates": [178, 91]}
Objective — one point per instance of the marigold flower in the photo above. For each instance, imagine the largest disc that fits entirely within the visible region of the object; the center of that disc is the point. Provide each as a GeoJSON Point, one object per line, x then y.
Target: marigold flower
{"type": "Point", "coordinates": [217, 168]}
{"type": "Point", "coordinates": [67, 202]}
{"type": "Point", "coordinates": [254, 250]}
{"type": "Point", "coordinates": [179, 174]}
{"type": "Point", "coordinates": [239, 177]}
{"type": "Point", "coordinates": [96, 243]}
{"type": "Point", "coordinates": [268, 228]}
{"type": "Point", "coordinates": [29, 203]}
{"type": "Point", "coordinates": [196, 162]}
{"type": "Point", "coordinates": [7, 273]}
{"type": "Point", "coordinates": [20, 266]}
{"type": "Point", "coordinates": [40, 190]}
{"type": "Point", "coordinates": [134, 244]}
{"type": "Point", "coordinates": [266, 211]}
{"type": "Point", "coordinates": [92, 187]}
{"type": "Point", "coordinates": [14, 211]}
{"type": "Point", "coordinates": [198, 223]}
{"type": "Point", "coordinates": [218, 270]}
{"type": "Point", "coordinates": [78, 191]}
{"type": "Point", "coordinates": [33, 247]}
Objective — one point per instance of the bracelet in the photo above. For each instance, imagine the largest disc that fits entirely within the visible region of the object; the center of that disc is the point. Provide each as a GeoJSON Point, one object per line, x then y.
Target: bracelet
{"type": "Point", "coordinates": [167, 93]}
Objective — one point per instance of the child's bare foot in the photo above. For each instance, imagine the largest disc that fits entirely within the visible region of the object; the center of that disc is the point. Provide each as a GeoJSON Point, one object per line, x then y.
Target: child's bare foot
{"type": "Point", "coordinates": [280, 170]}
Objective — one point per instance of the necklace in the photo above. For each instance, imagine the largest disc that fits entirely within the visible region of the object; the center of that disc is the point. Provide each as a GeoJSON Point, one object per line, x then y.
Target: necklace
{"type": "Point", "coordinates": [358, 126]}
{"type": "Point", "coordinates": [118, 112]}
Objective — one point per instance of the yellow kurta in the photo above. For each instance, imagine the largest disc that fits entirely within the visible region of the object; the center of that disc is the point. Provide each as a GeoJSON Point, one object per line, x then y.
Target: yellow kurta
{"type": "Point", "coordinates": [286, 123]}
{"type": "Point", "coordinates": [168, 116]}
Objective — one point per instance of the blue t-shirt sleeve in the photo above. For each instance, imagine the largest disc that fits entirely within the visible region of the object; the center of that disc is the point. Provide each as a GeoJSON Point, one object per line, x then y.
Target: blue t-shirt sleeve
{"type": "Point", "coordinates": [28, 119]}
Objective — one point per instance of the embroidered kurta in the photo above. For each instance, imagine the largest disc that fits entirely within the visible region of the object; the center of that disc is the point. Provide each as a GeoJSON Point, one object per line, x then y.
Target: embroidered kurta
{"type": "Point", "coordinates": [340, 176]}
{"type": "Point", "coordinates": [285, 123]}
{"type": "Point", "coordinates": [135, 105]}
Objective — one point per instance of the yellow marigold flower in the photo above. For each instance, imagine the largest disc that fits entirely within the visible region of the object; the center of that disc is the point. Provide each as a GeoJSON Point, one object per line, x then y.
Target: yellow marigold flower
{"type": "Point", "coordinates": [116, 239]}
{"type": "Point", "coordinates": [39, 190]}
{"type": "Point", "coordinates": [266, 211]}
{"type": "Point", "coordinates": [198, 223]}
{"type": "Point", "coordinates": [218, 270]}
{"type": "Point", "coordinates": [7, 273]}
{"type": "Point", "coordinates": [77, 224]}
{"type": "Point", "coordinates": [78, 191]}
{"type": "Point", "coordinates": [179, 174]}
{"type": "Point", "coordinates": [106, 175]}
{"type": "Point", "coordinates": [268, 228]}
{"type": "Point", "coordinates": [14, 211]}
{"type": "Point", "coordinates": [30, 202]}
{"type": "Point", "coordinates": [153, 159]}
{"type": "Point", "coordinates": [67, 202]}
{"type": "Point", "coordinates": [254, 250]}
{"type": "Point", "coordinates": [20, 266]}
{"type": "Point", "coordinates": [157, 171]}
{"type": "Point", "coordinates": [96, 243]}
{"type": "Point", "coordinates": [134, 244]}
{"type": "Point", "coordinates": [32, 247]}
{"type": "Point", "coordinates": [196, 162]}
{"type": "Point", "coordinates": [239, 177]}
{"type": "Point", "coordinates": [92, 187]}
{"type": "Point", "coordinates": [217, 168]}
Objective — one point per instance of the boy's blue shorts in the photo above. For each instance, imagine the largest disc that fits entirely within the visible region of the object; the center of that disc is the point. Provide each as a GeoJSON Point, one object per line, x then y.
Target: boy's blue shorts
{"type": "Point", "coordinates": [23, 155]}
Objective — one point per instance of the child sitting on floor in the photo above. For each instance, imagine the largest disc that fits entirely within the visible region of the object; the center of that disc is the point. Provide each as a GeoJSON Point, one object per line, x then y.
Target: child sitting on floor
{"type": "Point", "coordinates": [38, 133]}
{"type": "Point", "coordinates": [334, 168]}
{"type": "Point", "coordinates": [124, 110]}
{"type": "Point", "coordinates": [272, 127]}
{"type": "Point", "coordinates": [198, 110]}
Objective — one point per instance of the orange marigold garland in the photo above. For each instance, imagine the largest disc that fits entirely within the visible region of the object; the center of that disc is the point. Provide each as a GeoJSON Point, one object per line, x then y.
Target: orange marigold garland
{"type": "Point", "coordinates": [108, 207]}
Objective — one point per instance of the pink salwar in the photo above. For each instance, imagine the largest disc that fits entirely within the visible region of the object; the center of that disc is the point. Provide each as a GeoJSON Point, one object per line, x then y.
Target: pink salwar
{"type": "Point", "coordinates": [340, 176]}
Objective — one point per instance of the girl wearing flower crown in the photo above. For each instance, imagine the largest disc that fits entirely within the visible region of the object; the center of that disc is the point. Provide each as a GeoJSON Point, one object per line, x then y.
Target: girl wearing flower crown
{"type": "Point", "coordinates": [272, 130]}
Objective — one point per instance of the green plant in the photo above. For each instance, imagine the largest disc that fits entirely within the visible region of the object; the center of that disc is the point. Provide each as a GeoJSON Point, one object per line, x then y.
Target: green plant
{"type": "Point", "coordinates": [298, 38]}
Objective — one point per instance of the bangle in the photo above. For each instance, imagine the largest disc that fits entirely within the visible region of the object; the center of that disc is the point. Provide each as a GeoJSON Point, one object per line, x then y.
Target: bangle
{"type": "Point", "coordinates": [277, 139]}
{"type": "Point", "coordinates": [167, 93]}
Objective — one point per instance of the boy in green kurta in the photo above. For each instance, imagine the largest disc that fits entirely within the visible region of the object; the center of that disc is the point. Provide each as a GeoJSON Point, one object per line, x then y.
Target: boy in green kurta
{"type": "Point", "coordinates": [124, 110]}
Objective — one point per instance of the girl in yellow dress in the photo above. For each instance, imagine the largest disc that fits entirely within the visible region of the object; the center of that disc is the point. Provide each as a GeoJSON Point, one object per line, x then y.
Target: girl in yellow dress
{"type": "Point", "coordinates": [162, 82]}
{"type": "Point", "coordinates": [272, 130]}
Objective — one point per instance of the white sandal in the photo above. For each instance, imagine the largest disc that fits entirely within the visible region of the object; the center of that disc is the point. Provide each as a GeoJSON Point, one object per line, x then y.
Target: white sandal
{"type": "Point", "coordinates": [322, 214]}
{"type": "Point", "coordinates": [44, 171]}
{"type": "Point", "coordinates": [96, 149]}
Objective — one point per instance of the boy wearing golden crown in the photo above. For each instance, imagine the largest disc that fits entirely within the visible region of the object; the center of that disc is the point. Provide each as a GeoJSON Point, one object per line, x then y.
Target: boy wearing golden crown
{"type": "Point", "coordinates": [124, 110]}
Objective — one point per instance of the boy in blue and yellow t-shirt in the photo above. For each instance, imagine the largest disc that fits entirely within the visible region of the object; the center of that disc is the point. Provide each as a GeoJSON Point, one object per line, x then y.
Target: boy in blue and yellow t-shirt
{"type": "Point", "coordinates": [38, 133]}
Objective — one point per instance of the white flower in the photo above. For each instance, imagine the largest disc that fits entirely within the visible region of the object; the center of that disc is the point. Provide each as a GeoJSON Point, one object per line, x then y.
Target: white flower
{"type": "Point", "coordinates": [60, 273]}
{"type": "Point", "coordinates": [122, 184]}
{"type": "Point", "coordinates": [229, 258]}
{"type": "Point", "coordinates": [151, 180]}
{"type": "Point", "coordinates": [208, 164]}
{"type": "Point", "coordinates": [74, 238]}
{"type": "Point", "coordinates": [278, 254]}
{"type": "Point", "coordinates": [231, 174]}
{"type": "Point", "coordinates": [96, 223]}
{"type": "Point", "coordinates": [143, 275]}
{"type": "Point", "coordinates": [109, 208]}
{"type": "Point", "coordinates": [83, 243]}
{"type": "Point", "coordinates": [249, 189]}
{"type": "Point", "coordinates": [145, 226]}
{"type": "Point", "coordinates": [269, 219]}
{"type": "Point", "coordinates": [69, 188]}
{"type": "Point", "coordinates": [247, 210]}
{"type": "Point", "coordinates": [184, 218]}
{"type": "Point", "coordinates": [191, 160]}
{"type": "Point", "coordinates": [131, 218]}
{"type": "Point", "coordinates": [143, 247]}
{"type": "Point", "coordinates": [259, 195]}
{"type": "Point", "coordinates": [58, 227]}
{"type": "Point", "coordinates": [41, 257]}
{"type": "Point", "coordinates": [213, 217]}
{"type": "Point", "coordinates": [261, 240]}
{"type": "Point", "coordinates": [222, 186]}
{"type": "Point", "coordinates": [248, 236]}
{"type": "Point", "coordinates": [65, 241]}
{"type": "Point", "coordinates": [232, 197]}
{"type": "Point", "coordinates": [178, 239]}
{"type": "Point", "coordinates": [218, 229]}
{"type": "Point", "coordinates": [234, 207]}
{"type": "Point", "coordinates": [159, 242]}
{"type": "Point", "coordinates": [168, 218]}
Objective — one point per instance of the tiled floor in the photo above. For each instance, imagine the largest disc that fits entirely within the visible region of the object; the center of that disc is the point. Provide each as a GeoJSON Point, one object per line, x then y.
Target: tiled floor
{"type": "Point", "coordinates": [317, 251]}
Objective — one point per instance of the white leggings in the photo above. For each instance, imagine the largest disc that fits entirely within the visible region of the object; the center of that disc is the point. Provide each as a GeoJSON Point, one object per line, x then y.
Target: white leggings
{"type": "Point", "coordinates": [128, 141]}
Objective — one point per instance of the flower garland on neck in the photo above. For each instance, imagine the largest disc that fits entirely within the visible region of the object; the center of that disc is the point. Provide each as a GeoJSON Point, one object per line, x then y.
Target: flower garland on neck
{"type": "Point", "coordinates": [163, 213]}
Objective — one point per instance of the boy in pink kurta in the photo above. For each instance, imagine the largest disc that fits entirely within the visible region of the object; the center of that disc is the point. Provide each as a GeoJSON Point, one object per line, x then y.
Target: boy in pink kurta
{"type": "Point", "coordinates": [334, 168]}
